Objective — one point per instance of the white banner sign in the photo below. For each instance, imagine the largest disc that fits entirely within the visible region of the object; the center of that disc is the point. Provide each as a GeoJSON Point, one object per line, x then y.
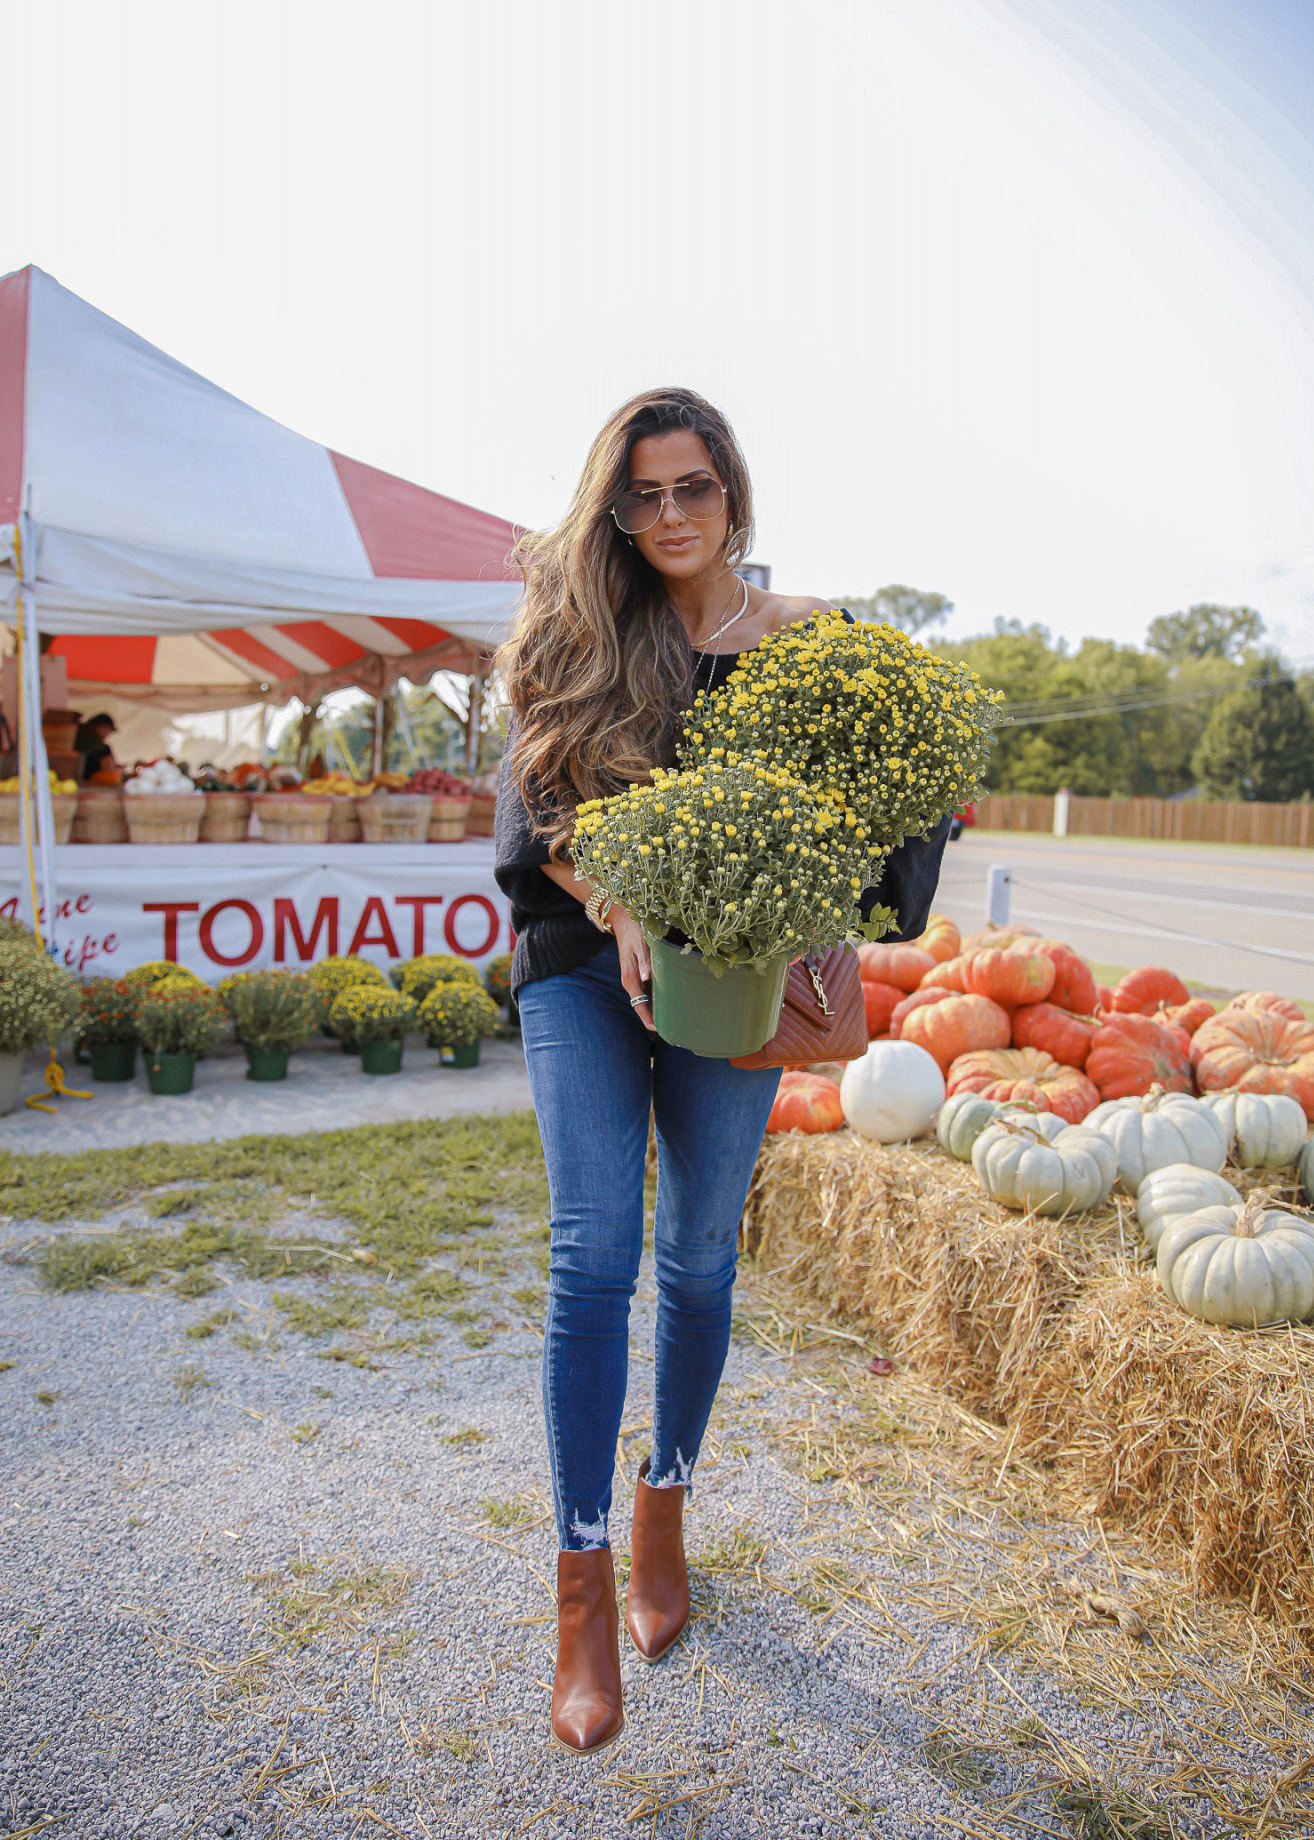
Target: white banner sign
{"type": "Point", "coordinates": [217, 908]}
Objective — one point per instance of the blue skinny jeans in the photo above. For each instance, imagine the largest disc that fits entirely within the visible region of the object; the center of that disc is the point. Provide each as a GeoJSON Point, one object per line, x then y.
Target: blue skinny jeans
{"type": "Point", "coordinates": [594, 1071]}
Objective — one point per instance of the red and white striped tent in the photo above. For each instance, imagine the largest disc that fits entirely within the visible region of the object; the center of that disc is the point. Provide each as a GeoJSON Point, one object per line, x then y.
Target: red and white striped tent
{"type": "Point", "coordinates": [190, 552]}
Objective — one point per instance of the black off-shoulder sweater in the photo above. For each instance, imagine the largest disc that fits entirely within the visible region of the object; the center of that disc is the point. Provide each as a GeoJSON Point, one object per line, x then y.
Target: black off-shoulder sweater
{"type": "Point", "coordinates": [554, 934]}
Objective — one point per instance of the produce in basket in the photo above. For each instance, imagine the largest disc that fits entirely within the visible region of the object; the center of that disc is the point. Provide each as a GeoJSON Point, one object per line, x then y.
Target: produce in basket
{"type": "Point", "coordinates": [457, 1014]}
{"type": "Point", "coordinates": [371, 1012]}
{"type": "Point", "coordinates": [1161, 1128]}
{"type": "Point", "coordinates": [941, 938]}
{"type": "Point", "coordinates": [806, 1102]}
{"type": "Point", "coordinates": [963, 1117]}
{"type": "Point", "coordinates": [1256, 1050]}
{"type": "Point", "coordinates": [1055, 1031]}
{"type": "Point", "coordinates": [959, 1025]}
{"type": "Point", "coordinates": [1177, 1189]}
{"type": "Point", "coordinates": [1264, 1130]}
{"type": "Point", "coordinates": [902, 966]}
{"type": "Point", "coordinates": [438, 783]}
{"type": "Point", "coordinates": [271, 1009]}
{"type": "Point", "coordinates": [1129, 1054]}
{"type": "Point", "coordinates": [1025, 1076]}
{"type": "Point", "coordinates": [417, 976]}
{"type": "Point", "coordinates": [1246, 1265]}
{"type": "Point", "coordinates": [62, 786]}
{"type": "Point", "coordinates": [159, 776]}
{"type": "Point", "coordinates": [1019, 1168]}
{"type": "Point", "coordinates": [893, 1093]}
{"type": "Point", "coordinates": [1147, 989]}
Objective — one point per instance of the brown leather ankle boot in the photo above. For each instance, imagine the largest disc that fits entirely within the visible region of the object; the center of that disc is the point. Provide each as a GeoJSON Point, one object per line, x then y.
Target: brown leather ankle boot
{"type": "Point", "coordinates": [657, 1600]}
{"type": "Point", "coordinates": [587, 1714]}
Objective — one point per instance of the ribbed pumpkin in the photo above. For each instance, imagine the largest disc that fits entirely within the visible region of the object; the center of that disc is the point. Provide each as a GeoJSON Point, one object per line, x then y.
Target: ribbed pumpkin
{"type": "Point", "coordinates": [947, 975]}
{"type": "Point", "coordinates": [1024, 1076]}
{"type": "Point", "coordinates": [1256, 1050]}
{"type": "Point", "coordinates": [1021, 1170]}
{"type": "Point", "coordinates": [1130, 1054]}
{"type": "Point", "coordinates": [1264, 1130]}
{"type": "Point", "coordinates": [1268, 1000]}
{"type": "Point", "coordinates": [1305, 1171]}
{"type": "Point", "coordinates": [957, 1026]}
{"type": "Point", "coordinates": [902, 966]}
{"type": "Point", "coordinates": [1187, 1016]}
{"type": "Point", "coordinates": [1147, 989]}
{"type": "Point", "coordinates": [1054, 1031]}
{"type": "Point", "coordinates": [1166, 1194]}
{"type": "Point", "coordinates": [1000, 937]}
{"type": "Point", "coordinates": [806, 1102]}
{"type": "Point", "coordinates": [880, 1001]}
{"type": "Point", "coordinates": [1247, 1266]}
{"type": "Point", "coordinates": [1103, 999]}
{"type": "Point", "coordinates": [1074, 987]}
{"type": "Point", "coordinates": [1008, 978]}
{"type": "Point", "coordinates": [941, 938]}
{"type": "Point", "coordinates": [916, 999]}
{"type": "Point", "coordinates": [1161, 1128]}
{"type": "Point", "coordinates": [963, 1117]}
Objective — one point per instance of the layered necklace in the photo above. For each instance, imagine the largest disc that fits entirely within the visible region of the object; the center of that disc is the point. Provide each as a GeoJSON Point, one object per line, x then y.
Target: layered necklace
{"type": "Point", "coordinates": [728, 620]}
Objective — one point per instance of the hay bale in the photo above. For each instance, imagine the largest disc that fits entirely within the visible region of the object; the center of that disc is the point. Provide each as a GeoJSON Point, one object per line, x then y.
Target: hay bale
{"type": "Point", "coordinates": [1199, 1438]}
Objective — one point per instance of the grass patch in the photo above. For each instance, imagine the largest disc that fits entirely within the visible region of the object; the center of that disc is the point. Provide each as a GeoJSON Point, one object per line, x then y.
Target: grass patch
{"type": "Point", "coordinates": [189, 1379]}
{"type": "Point", "coordinates": [516, 1512]}
{"type": "Point", "coordinates": [44, 1397]}
{"type": "Point", "coordinates": [742, 1550]}
{"type": "Point", "coordinates": [965, 1764]}
{"type": "Point", "coordinates": [462, 1440]}
{"type": "Point", "coordinates": [1109, 1811]}
{"type": "Point", "coordinates": [306, 1434]}
{"type": "Point", "coordinates": [342, 1309]}
{"type": "Point", "coordinates": [312, 1607]}
{"type": "Point", "coordinates": [211, 1324]}
{"type": "Point", "coordinates": [431, 1294]}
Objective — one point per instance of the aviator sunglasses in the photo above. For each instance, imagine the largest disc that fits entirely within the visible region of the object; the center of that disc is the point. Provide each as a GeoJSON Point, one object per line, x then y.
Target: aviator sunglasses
{"type": "Point", "coordinates": [638, 509]}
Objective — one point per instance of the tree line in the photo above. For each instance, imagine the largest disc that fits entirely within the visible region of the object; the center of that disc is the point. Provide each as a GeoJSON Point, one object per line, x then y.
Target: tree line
{"type": "Point", "coordinates": [1206, 705]}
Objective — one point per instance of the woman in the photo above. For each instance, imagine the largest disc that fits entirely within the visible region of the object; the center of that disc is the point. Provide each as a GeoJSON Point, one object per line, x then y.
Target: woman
{"type": "Point", "coordinates": [632, 604]}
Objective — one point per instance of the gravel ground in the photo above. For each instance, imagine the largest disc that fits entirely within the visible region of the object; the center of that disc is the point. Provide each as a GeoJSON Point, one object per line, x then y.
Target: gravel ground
{"type": "Point", "coordinates": [252, 1591]}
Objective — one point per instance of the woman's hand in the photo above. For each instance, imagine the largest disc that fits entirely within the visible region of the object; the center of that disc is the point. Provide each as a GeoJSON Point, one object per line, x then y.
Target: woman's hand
{"type": "Point", "coordinates": [635, 963]}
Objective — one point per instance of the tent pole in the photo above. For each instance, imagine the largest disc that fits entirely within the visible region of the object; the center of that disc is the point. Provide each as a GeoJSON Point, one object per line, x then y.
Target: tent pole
{"type": "Point", "coordinates": [472, 716]}
{"type": "Point", "coordinates": [34, 768]}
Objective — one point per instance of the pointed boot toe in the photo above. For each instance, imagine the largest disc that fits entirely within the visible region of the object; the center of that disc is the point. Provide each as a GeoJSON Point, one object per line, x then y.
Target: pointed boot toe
{"type": "Point", "coordinates": [657, 1598]}
{"type": "Point", "coordinates": [587, 1711]}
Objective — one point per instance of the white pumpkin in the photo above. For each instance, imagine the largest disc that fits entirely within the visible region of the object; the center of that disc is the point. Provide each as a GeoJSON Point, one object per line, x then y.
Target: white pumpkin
{"type": "Point", "coordinates": [1264, 1130]}
{"type": "Point", "coordinates": [1019, 1167]}
{"type": "Point", "coordinates": [963, 1117]}
{"type": "Point", "coordinates": [1246, 1265]}
{"type": "Point", "coordinates": [1046, 1124]}
{"type": "Point", "coordinates": [1176, 1189]}
{"type": "Point", "coordinates": [892, 1093]}
{"type": "Point", "coordinates": [1160, 1128]}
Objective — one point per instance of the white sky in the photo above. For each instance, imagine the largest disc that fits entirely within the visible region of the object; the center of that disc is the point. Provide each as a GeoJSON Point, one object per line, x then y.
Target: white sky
{"type": "Point", "coordinates": [1011, 299]}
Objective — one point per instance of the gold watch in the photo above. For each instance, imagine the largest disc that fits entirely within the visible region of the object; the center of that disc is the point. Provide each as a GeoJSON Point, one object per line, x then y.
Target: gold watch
{"type": "Point", "coordinates": [597, 907]}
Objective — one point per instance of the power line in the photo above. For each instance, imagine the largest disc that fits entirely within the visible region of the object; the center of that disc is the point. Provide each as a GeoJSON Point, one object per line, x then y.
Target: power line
{"type": "Point", "coordinates": [1031, 713]}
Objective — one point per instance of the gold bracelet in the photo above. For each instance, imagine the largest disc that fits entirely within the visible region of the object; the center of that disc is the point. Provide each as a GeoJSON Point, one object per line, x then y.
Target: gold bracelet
{"type": "Point", "coordinates": [597, 907]}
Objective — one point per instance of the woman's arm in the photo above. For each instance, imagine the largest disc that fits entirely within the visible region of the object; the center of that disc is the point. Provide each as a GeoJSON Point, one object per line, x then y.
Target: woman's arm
{"type": "Point", "coordinates": [636, 965]}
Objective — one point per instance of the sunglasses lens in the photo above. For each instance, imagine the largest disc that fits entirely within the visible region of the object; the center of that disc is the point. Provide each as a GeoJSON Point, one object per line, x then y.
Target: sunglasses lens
{"type": "Point", "coordinates": [636, 511]}
{"type": "Point", "coordinates": [699, 498]}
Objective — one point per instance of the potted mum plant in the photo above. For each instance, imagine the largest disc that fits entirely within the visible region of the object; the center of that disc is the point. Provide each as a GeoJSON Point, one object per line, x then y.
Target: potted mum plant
{"type": "Point", "coordinates": [273, 1012]}
{"type": "Point", "coordinates": [497, 982]}
{"type": "Point", "coordinates": [107, 1027]}
{"type": "Point", "coordinates": [328, 979]}
{"type": "Point", "coordinates": [377, 1017]}
{"type": "Point", "coordinates": [455, 1017]}
{"type": "Point", "coordinates": [39, 1004]}
{"type": "Point", "coordinates": [416, 977]}
{"type": "Point", "coordinates": [177, 1020]}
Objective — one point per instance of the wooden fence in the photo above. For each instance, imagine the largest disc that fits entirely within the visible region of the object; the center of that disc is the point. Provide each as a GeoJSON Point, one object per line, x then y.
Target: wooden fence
{"type": "Point", "coordinates": [1178, 820]}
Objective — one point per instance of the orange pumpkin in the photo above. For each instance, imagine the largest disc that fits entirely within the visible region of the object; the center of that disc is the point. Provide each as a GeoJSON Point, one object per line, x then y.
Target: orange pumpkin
{"type": "Point", "coordinates": [1187, 1016]}
{"type": "Point", "coordinates": [1008, 978]}
{"type": "Point", "coordinates": [1103, 1000]}
{"type": "Point", "coordinates": [1025, 1076]}
{"type": "Point", "coordinates": [1147, 989]}
{"type": "Point", "coordinates": [998, 936]}
{"type": "Point", "coordinates": [1258, 1051]}
{"type": "Point", "coordinates": [904, 966]}
{"type": "Point", "coordinates": [948, 975]}
{"type": "Point", "coordinates": [879, 1000]}
{"type": "Point", "coordinates": [957, 1026]}
{"type": "Point", "coordinates": [1054, 1031]}
{"type": "Point", "coordinates": [1129, 1054]}
{"type": "Point", "coordinates": [916, 999]}
{"type": "Point", "coordinates": [806, 1102]}
{"type": "Point", "coordinates": [1074, 987]}
{"type": "Point", "coordinates": [941, 938]}
{"type": "Point", "coordinates": [1268, 1000]}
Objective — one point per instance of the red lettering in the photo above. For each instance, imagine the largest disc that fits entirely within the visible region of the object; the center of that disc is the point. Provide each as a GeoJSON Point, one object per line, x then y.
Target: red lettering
{"type": "Point", "coordinates": [111, 943]}
{"type": "Point", "coordinates": [419, 902]}
{"type": "Point", "coordinates": [286, 921]}
{"type": "Point", "coordinates": [257, 939]}
{"type": "Point", "coordinates": [83, 904]}
{"type": "Point", "coordinates": [373, 910]}
{"type": "Point", "coordinates": [449, 925]}
{"type": "Point", "coordinates": [171, 911]}
{"type": "Point", "coordinates": [10, 908]}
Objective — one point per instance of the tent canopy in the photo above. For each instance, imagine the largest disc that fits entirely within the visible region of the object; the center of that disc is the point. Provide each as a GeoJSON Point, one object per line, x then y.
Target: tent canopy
{"type": "Point", "coordinates": [191, 552]}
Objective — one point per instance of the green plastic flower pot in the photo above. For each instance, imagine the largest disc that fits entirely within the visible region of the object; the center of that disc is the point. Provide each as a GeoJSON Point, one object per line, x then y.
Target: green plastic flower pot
{"type": "Point", "coordinates": [167, 1074]}
{"type": "Point", "coordinates": [266, 1063]}
{"type": "Point", "coordinates": [736, 1013]}
{"type": "Point", "coordinates": [351, 1047]}
{"type": "Point", "coordinates": [465, 1056]}
{"type": "Point", "coordinates": [112, 1060]}
{"type": "Point", "coordinates": [380, 1056]}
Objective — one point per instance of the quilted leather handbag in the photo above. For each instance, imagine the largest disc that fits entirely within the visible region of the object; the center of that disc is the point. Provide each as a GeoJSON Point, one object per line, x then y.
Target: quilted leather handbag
{"type": "Point", "coordinates": [823, 1016]}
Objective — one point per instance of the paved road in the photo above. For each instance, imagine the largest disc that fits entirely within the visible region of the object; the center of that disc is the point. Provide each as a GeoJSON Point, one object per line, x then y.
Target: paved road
{"type": "Point", "coordinates": [1238, 919]}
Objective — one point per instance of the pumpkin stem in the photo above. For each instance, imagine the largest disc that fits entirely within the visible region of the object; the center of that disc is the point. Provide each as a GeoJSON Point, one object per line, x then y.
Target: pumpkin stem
{"type": "Point", "coordinates": [1258, 1202]}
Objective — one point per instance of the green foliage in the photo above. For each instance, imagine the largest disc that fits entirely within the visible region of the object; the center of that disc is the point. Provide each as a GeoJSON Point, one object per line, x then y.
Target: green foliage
{"type": "Point", "coordinates": [109, 1010]}
{"type": "Point", "coordinates": [158, 971]}
{"type": "Point", "coordinates": [13, 932]}
{"type": "Point", "coordinates": [371, 1012]}
{"type": "Point", "coordinates": [1258, 742]}
{"type": "Point", "coordinates": [497, 978]}
{"type": "Point", "coordinates": [39, 1000]}
{"type": "Point", "coordinates": [178, 1016]}
{"type": "Point", "coordinates": [329, 977]}
{"type": "Point", "coordinates": [1205, 631]}
{"type": "Point", "coordinates": [457, 1014]}
{"type": "Point", "coordinates": [912, 610]}
{"type": "Point", "coordinates": [416, 977]}
{"type": "Point", "coordinates": [271, 1009]}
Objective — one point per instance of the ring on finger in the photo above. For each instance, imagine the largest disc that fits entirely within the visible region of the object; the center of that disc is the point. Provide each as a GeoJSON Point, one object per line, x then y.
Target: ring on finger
{"type": "Point", "coordinates": [636, 1001]}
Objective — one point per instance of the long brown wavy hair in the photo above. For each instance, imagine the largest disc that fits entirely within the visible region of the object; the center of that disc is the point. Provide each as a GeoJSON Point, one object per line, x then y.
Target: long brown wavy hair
{"type": "Point", "coordinates": [599, 668]}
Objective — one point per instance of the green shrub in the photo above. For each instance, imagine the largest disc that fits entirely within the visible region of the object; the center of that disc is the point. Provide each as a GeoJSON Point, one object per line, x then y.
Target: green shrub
{"type": "Point", "coordinates": [109, 1010]}
{"type": "Point", "coordinates": [457, 1015]}
{"type": "Point", "coordinates": [271, 1009]}
{"type": "Point", "coordinates": [39, 1000]}
{"type": "Point", "coordinates": [371, 1012]}
{"type": "Point", "coordinates": [416, 977]}
{"type": "Point", "coordinates": [497, 978]}
{"type": "Point", "coordinates": [13, 932]}
{"type": "Point", "coordinates": [179, 1016]}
